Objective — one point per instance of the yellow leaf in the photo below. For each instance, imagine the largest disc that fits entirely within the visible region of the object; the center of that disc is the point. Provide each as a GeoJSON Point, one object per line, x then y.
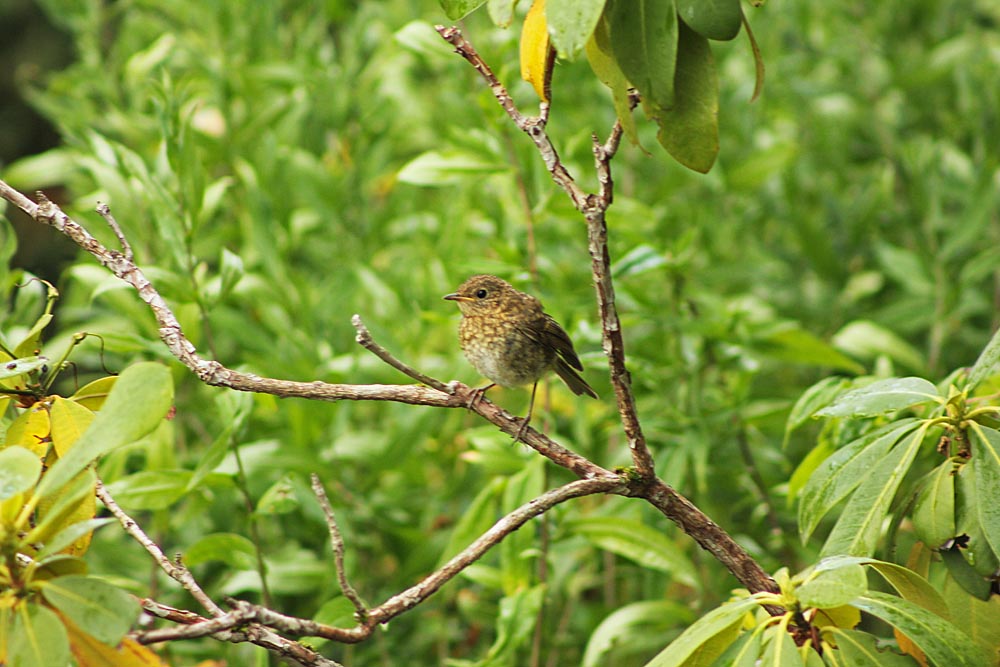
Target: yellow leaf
{"type": "Point", "coordinates": [536, 62]}
{"type": "Point", "coordinates": [91, 653]}
{"type": "Point", "coordinates": [92, 394]}
{"type": "Point", "coordinates": [31, 430]}
{"type": "Point", "coordinates": [69, 421]}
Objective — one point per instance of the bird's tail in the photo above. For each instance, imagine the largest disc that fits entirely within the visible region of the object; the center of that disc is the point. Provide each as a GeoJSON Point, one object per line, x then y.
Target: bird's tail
{"type": "Point", "coordinates": [573, 380]}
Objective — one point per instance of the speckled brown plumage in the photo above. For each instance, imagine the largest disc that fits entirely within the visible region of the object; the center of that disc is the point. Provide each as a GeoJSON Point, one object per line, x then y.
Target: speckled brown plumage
{"type": "Point", "coordinates": [509, 338]}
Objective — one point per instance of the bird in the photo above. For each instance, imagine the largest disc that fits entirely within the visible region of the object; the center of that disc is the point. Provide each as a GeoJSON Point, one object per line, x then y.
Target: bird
{"type": "Point", "coordinates": [510, 339]}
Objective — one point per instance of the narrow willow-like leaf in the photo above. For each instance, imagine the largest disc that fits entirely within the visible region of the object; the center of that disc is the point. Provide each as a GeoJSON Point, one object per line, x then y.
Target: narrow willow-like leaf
{"type": "Point", "coordinates": [934, 511]}
{"type": "Point", "coordinates": [942, 642]}
{"type": "Point", "coordinates": [860, 524]}
{"type": "Point", "coordinates": [881, 397]}
{"type": "Point", "coordinates": [841, 473]}
{"type": "Point", "coordinates": [986, 475]}
{"type": "Point", "coordinates": [456, 9]}
{"type": "Point", "coordinates": [719, 621]}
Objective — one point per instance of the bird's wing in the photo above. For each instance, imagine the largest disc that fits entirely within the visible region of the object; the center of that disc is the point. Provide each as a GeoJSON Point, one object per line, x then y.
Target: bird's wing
{"type": "Point", "coordinates": [547, 331]}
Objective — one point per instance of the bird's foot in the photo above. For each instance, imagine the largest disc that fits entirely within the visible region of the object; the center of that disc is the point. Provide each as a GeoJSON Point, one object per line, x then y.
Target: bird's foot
{"type": "Point", "coordinates": [477, 395]}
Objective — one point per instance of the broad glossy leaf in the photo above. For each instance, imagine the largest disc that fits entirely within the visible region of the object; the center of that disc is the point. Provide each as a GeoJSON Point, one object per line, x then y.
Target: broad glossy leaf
{"type": "Point", "coordinates": [638, 542]}
{"type": "Point", "coordinates": [942, 642]}
{"type": "Point", "coordinates": [840, 474]}
{"type": "Point", "coordinates": [19, 470]}
{"type": "Point", "coordinates": [881, 397]}
{"type": "Point", "coordinates": [456, 9]}
{"type": "Point", "coordinates": [909, 584]}
{"type": "Point", "coordinates": [71, 534]}
{"type": "Point", "coordinates": [627, 622]}
{"type": "Point", "coordinates": [812, 400]}
{"type": "Point", "coordinates": [93, 394]}
{"type": "Point", "coordinates": [571, 23]}
{"type": "Point", "coordinates": [718, 622]}
{"type": "Point", "coordinates": [934, 511]}
{"type": "Point", "coordinates": [977, 552]}
{"type": "Point", "coordinates": [31, 430]}
{"type": "Point", "coordinates": [963, 574]}
{"type": "Point", "coordinates": [602, 62]}
{"type": "Point", "coordinates": [37, 638]}
{"type": "Point", "coordinates": [978, 618]}
{"type": "Point", "coordinates": [95, 606]}
{"type": "Point", "coordinates": [644, 40]}
{"type": "Point", "coordinates": [779, 649]}
{"type": "Point", "coordinates": [744, 652]}
{"type": "Point", "coordinates": [986, 469]}
{"type": "Point", "coordinates": [713, 19]}
{"type": "Point", "coordinates": [860, 649]}
{"type": "Point", "coordinates": [136, 405]}
{"type": "Point", "coordinates": [536, 65]}
{"type": "Point", "coordinates": [832, 588]}
{"type": "Point", "coordinates": [859, 526]}
{"type": "Point", "coordinates": [689, 128]}
{"type": "Point", "coordinates": [69, 421]}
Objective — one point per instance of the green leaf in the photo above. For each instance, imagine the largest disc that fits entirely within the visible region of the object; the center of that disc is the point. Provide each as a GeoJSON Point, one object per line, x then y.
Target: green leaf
{"type": "Point", "coordinates": [934, 511]}
{"type": "Point", "coordinates": [986, 475]}
{"type": "Point", "coordinates": [977, 552]}
{"type": "Point", "coordinates": [456, 9]}
{"type": "Point", "coordinates": [447, 167]}
{"type": "Point", "coordinates": [150, 489]}
{"type": "Point", "coordinates": [38, 638]}
{"type": "Point", "coordinates": [962, 573]}
{"type": "Point", "coordinates": [15, 367]}
{"type": "Point", "coordinates": [860, 525]}
{"type": "Point", "coordinates": [719, 623]}
{"type": "Point", "coordinates": [988, 363]}
{"type": "Point", "coordinates": [828, 588]}
{"type": "Point", "coordinates": [96, 607]}
{"type": "Point", "coordinates": [234, 550]}
{"type": "Point", "coordinates": [571, 23]}
{"type": "Point", "coordinates": [779, 650]}
{"type": "Point", "coordinates": [813, 399]}
{"type": "Point", "coordinates": [629, 622]}
{"type": "Point", "coordinates": [602, 62]}
{"type": "Point", "coordinates": [689, 128]}
{"type": "Point", "coordinates": [19, 470]}
{"type": "Point", "coordinates": [638, 542]}
{"type": "Point", "coordinates": [744, 652]}
{"type": "Point", "coordinates": [136, 405]}
{"type": "Point", "coordinates": [840, 474]}
{"type": "Point", "coordinates": [713, 19]}
{"type": "Point", "coordinates": [868, 340]}
{"type": "Point", "coordinates": [860, 649]}
{"type": "Point", "coordinates": [942, 642]}
{"type": "Point", "coordinates": [881, 397]}
{"type": "Point", "coordinates": [979, 618]}
{"type": "Point", "coordinates": [71, 534]}
{"type": "Point", "coordinates": [515, 623]}
{"type": "Point", "coordinates": [279, 498]}
{"type": "Point", "coordinates": [908, 584]}
{"type": "Point", "coordinates": [501, 12]}
{"type": "Point", "coordinates": [644, 40]}
{"type": "Point", "coordinates": [794, 344]}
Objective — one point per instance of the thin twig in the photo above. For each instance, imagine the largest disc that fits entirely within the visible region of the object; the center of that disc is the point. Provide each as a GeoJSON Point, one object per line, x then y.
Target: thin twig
{"type": "Point", "coordinates": [105, 213]}
{"type": "Point", "coordinates": [364, 338]}
{"type": "Point", "coordinates": [174, 570]}
{"type": "Point", "coordinates": [224, 629]}
{"type": "Point", "coordinates": [337, 544]}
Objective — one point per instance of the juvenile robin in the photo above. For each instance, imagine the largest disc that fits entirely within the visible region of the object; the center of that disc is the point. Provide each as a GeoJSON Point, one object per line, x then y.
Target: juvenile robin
{"type": "Point", "coordinates": [507, 336]}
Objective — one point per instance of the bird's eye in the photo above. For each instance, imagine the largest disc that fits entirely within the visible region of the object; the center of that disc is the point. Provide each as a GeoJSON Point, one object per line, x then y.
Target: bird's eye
{"type": "Point", "coordinates": [481, 293]}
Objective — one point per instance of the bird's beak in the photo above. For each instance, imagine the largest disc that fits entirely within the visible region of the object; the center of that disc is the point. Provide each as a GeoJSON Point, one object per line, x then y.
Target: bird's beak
{"type": "Point", "coordinates": [455, 296]}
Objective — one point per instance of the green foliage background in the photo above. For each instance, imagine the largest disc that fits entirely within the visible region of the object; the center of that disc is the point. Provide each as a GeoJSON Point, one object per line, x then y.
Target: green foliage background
{"type": "Point", "coordinates": [281, 166]}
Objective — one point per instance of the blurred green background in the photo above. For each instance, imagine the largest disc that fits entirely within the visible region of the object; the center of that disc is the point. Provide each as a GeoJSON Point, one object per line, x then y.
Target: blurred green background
{"type": "Point", "coordinates": [280, 166]}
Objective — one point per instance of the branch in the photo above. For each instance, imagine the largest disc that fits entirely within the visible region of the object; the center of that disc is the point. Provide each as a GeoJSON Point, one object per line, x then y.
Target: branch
{"type": "Point", "coordinates": [174, 570]}
{"type": "Point", "coordinates": [337, 543]}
